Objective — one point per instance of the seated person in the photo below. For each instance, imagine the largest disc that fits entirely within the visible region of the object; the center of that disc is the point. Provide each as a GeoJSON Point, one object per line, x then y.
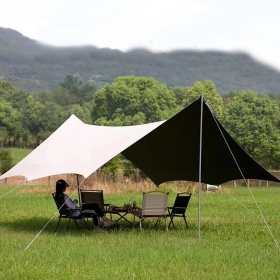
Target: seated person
{"type": "Point", "coordinates": [93, 209]}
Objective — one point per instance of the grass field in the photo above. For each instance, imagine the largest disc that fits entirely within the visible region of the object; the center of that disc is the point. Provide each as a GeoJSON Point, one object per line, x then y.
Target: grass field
{"type": "Point", "coordinates": [235, 243]}
{"type": "Point", "coordinates": [18, 154]}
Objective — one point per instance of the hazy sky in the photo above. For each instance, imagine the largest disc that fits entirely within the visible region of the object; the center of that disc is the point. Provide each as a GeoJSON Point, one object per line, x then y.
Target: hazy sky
{"type": "Point", "coordinates": [251, 26]}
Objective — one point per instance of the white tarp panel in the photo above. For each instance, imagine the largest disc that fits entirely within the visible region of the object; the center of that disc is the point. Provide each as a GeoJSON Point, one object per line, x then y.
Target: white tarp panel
{"type": "Point", "coordinates": [78, 148]}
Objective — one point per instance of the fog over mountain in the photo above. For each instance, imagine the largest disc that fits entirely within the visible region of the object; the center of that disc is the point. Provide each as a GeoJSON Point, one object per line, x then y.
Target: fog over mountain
{"type": "Point", "coordinates": [34, 66]}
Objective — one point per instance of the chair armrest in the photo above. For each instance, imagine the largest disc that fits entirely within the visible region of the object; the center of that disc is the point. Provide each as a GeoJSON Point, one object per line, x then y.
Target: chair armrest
{"type": "Point", "coordinates": [77, 208]}
{"type": "Point", "coordinates": [176, 207]}
{"type": "Point", "coordinates": [172, 210]}
{"type": "Point", "coordinates": [106, 205]}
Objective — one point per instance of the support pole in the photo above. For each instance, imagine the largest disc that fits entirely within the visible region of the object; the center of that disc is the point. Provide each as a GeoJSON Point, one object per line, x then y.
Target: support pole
{"type": "Point", "coordinates": [200, 156]}
{"type": "Point", "coordinates": [78, 186]}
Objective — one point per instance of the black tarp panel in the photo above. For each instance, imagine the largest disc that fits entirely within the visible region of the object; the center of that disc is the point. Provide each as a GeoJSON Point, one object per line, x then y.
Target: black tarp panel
{"type": "Point", "coordinates": [171, 151]}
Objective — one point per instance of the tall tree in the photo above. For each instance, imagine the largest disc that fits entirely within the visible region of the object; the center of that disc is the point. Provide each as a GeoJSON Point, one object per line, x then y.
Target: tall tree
{"type": "Point", "coordinates": [252, 120]}
{"type": "Point", "coordinates": [130, 100]}
{"type": "Point", "coordinates": [17, 98]}
{"type": "Point", "coordinates": [50, 117]}
{"type": "Point", "coordinates": [6, 88]}
{"type": "Point", "coordinates": [82, 112]}
{"type": "Point", "coordinates": [9, 118]}
{"type": "Point", "coordinates": [180, 93]}
{"type": "Point", "coordinates": [206, 88]}
{"type": "Point", "coordinates": [6, 161]}
{"type": "Point", "coordinates": [4, 136]}
{"type": "Point", "coordinates": [43, 96]}
{"type": "Point", "coordinates": [30, 118]}
{"type": "Point", "coordinates": [63, 97]}
{"type": "Point", "coordinates": [81, 92]}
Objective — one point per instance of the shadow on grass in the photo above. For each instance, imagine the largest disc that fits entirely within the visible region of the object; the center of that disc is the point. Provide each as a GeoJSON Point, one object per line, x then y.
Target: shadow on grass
{"type": "Point", "coordinates": [35, 224]}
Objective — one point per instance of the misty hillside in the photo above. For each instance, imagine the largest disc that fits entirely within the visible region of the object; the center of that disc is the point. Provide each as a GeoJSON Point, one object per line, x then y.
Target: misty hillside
{"type": "Point", "coordinates": [34, 66]}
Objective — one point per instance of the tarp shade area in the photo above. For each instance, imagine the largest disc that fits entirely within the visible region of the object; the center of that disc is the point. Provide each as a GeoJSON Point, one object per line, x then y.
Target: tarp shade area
{"type": "Point", "coordinates": [164, 151]}
{"type": "Point", "coordinates": [171, 152]}
{"type": "Point", "coordinates": [77, 148]}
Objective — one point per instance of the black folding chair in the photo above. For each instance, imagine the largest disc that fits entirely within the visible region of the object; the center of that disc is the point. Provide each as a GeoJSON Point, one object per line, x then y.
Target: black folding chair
{"type": "Point", "coordinates": [179, 208]}
{"type": "Point", "coordinates": [67, 213]}
{"type": "Point", "coordinates": [93, 196]}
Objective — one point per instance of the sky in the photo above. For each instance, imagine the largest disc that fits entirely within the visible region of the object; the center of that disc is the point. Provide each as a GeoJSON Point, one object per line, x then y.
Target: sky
{"type": "Point", "coordinates": [250, 26]}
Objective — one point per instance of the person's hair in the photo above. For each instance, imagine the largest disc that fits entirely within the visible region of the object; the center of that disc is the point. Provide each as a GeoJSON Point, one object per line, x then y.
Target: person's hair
{"type": "Point", "coordinates": [60, 187]}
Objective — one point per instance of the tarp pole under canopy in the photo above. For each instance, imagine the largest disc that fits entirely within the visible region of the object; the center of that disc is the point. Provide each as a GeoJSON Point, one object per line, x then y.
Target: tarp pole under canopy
{"type": "Point", "coordinates": [78, 186]}
{"type": "Point", "coordinates": [200, 157]}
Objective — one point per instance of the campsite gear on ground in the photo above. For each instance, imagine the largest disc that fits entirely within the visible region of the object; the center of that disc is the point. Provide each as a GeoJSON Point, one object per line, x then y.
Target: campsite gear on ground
{"type": "Point", "coordinates": [90, 209]}
{"type": "Point", "coordinates": [179, 208]}
{"type": "Point", "coordinates": [123, 211]}
{"type": "Point", "coordinates": [129, 206]}
{"type": "Point", "coordinates": [67, 213]}
{"type": "Point", "coordinates": [89, 197]}
{"type": "Point", "coordinates": [212, 187]}
{"type": "Point", "coordinates": [93, 196]}
{"type": "Point", "coordinates": [154, 206]}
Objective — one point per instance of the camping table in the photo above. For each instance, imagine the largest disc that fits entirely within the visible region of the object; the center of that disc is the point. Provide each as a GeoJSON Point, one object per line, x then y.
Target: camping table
{"type": "Point", "coordinates": [122, 215]}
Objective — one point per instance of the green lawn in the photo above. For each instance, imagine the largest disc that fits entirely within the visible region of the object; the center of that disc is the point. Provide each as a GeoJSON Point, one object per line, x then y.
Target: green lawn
{"type": "Point", "coordinates": [235, 243]}
{"type": "Point", "coordinates": [18, 154]}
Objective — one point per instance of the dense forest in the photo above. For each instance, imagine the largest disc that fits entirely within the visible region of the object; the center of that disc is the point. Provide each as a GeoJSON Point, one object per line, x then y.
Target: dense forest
{"type": "Point", "coordinates": [33, 66]}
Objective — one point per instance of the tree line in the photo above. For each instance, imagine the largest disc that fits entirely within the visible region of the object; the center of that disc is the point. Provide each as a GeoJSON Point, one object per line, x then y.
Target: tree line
{"type": "Point", "coordinates": [27, 119]}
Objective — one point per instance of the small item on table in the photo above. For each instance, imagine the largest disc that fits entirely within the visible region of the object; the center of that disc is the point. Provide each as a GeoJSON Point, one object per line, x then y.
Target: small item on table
{"type": "Point", "coordinates": [130, 207]}
{"type": "Point", "coordinates": [136, 210]}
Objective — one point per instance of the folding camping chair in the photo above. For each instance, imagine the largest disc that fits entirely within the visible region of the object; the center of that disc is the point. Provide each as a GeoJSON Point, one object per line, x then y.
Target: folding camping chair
{"type": "Point", "coordinates": [67, 213]}
{"type": "Point", "coordinates": [93, 196]}
{"type": "Point", "coordinates": [179, 208]}
{"type": "Point", "coordinates": [154, 206]}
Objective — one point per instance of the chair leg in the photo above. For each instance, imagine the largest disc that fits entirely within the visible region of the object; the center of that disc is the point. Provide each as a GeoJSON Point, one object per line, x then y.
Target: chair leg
{"type": "Point", "coordinates": [140, 222]}
{"type": "Point", "coordinates": [157, 222]}
{"type": "Point", "coordinates": [166, 227]}
{"type": "Point", "coordinates": [133, 221]}
{"type": "Point", "coordinates": [68, 224]}
{"type": "Point", "coordinates": [57, 224]}
{"type": "Point", "coordinates": [95, 220]}
{"type": "Point", "coordinates": [86, 225]}
{"type": "Point", "coordinates": [76, 224]}
{"type": "Point", "coordinates": [186, 221]}
{"type": "Point", "coordinates": [171, 221]}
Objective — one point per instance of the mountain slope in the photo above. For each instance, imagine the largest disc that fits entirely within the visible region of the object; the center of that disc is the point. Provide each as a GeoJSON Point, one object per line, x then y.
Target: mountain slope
{"type": "Point", "coordinates": [34, 66]}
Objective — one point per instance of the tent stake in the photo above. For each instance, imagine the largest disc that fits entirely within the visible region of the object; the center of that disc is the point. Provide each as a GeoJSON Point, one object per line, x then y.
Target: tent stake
{"type": "Point", "coordinates": [200, 155]}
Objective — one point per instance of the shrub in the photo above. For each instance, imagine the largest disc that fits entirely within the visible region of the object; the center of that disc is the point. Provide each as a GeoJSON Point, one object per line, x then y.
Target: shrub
{"type": "Point", "coordinates": [5, 161]}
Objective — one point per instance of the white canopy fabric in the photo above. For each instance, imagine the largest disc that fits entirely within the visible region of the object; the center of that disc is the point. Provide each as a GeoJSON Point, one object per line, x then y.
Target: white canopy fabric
{"type": "Point", "coordinates": [78, 148]}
